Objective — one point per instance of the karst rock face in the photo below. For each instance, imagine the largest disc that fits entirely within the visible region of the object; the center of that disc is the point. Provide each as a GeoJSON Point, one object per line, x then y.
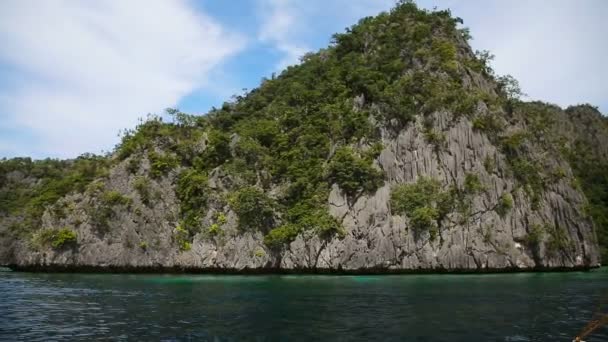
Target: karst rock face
{"type": "Point", "coordinates": [395, 149]}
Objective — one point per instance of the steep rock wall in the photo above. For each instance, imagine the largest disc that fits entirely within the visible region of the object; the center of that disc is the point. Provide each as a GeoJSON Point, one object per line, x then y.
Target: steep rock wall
{"type": "Point", "coordinates": [143, 236]}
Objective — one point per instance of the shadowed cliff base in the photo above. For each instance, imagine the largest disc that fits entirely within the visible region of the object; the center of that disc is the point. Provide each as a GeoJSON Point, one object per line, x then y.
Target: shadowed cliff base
{"type": "Point", "coordinates": [278, 271]}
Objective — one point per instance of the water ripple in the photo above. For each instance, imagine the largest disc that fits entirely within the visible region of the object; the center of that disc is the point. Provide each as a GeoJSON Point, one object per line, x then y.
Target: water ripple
{"type": "Point", "coordinates": [508, 307]}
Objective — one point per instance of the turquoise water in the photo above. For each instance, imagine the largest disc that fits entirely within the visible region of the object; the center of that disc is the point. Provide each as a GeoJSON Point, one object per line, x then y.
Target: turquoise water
{"type": "Point", "coordinates": [495, 307]}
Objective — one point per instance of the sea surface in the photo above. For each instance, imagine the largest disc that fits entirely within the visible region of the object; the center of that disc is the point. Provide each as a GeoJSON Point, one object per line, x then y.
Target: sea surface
{"type": "Point", "coordinates": [491, 307]}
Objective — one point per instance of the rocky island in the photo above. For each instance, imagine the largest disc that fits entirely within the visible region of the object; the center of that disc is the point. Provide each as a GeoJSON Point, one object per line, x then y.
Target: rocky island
{"type": "Point", "coordinates": [395, 149]}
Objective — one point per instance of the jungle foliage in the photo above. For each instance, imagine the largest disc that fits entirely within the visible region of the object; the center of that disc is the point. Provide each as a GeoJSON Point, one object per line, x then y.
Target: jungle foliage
{"type": "Point", "coordinates": [317, 124]}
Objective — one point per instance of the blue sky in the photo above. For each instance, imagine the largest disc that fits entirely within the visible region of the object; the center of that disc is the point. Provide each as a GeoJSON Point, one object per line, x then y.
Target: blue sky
{"type": "Point", "coordinates": [73, 73]}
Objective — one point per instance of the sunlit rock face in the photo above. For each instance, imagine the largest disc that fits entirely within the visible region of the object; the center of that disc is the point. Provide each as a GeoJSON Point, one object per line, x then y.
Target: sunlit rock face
{"type": "Point", "coordinates": [422, 161]}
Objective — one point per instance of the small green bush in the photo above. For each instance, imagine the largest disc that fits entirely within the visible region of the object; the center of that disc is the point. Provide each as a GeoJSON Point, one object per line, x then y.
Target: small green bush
{"type": "Point", "coordinates": [528, 173]}
{"type": "Point", "coordinates": [314, 216]}
{"type": "Point", "coordinates": [100, 216]}
{"type": "Point", "coordinates": [559, 241]}
{"type": "Point", "coordinates": [214, 229]}
{"type": "Point", "coordinates": [278, 237]}
{"type": "Point", "coordinates": [557, 174]}
{"type": "Point", "coordinates": [535, 235]}
{"type": "Point", "coordinates": [245, 173]}
{"type": "Point", "coordinates": [182, 237]}
{"type": "Point", "coordinates": [424, 202]}
{"type": "Point", "coordinates": [512, 144]}
{"type": "Point", "coordinates": [161, 164]}
{"type": "Point", "coordinates": [95, 187]}
{"type": "Point", "coordinates": [59, 210]}
{"type": "Point", "coordinates": [250, 151]}
{"type": "Point", "coordinates": [445, 51]}
{"type": "Point", "coordinates": [259, 253]}
{"type": "Point", "coordinates": [64, 236]}
{"type": "Point", "coordinates": [374, 151]}
{"type": "Point", "coordinates": [508, 86]}
{"type": "Point", "coordinates": [221, 218]}
{"type": "Point", "coordinates": [56, 238]}
{"type": "Point", "coordinates": [114, 197]}
{"type": "Point", "coordinates": [435, 138]}
{"type": "Point", "coordinates": [424, 218]}
{"type": "Point", "coordinates": [51, 180]}
{"type": "Point", "coordinates": [142, 136]}
{"type": "Point", "coordinates": [322, 223]}
{"type": "Point", "coordinates": [472, 184]}
{"type": "Point", "coordinates": [405, 198]}
{"type": "Point", "coordinates": [353, 173]}
{"type": "Point", "coordinates": [218, 149]}
{"type": "Point", "coordinates": [192, 192]}
{"type": "Point", "coordinates": [489, 163]}
{"type": "Point", "coordinates": [489, 123]}
{"type": "Point", "coordinates": [265, 131]}
{"type": "Point", "coordinates": [253, 208]}
{"type": "Point", "coordinates": [133, 164]}
{"type": "Point", "coordinates": [142, 186]}
{"type": "Point", "coordinates": [143, 245]}
{"type": "Point", "coordinates": [185, 246]}
{"type": "Point", "coordinates": [505, 203]}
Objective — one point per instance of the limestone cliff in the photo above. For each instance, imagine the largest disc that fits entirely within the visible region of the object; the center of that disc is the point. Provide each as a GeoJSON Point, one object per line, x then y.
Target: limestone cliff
{"type": "Point", "coordinates": [395, 149]}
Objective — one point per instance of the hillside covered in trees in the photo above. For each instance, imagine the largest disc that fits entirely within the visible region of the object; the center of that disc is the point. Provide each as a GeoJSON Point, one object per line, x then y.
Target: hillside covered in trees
{"type": "Point", "coordinates": [395, 148]}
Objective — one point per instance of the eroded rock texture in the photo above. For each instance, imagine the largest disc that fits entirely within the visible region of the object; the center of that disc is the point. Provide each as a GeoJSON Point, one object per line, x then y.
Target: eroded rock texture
{"type": "Point", "coordinates": [398, 99]}
{"type": "Point", "coordinates": [376, 240]}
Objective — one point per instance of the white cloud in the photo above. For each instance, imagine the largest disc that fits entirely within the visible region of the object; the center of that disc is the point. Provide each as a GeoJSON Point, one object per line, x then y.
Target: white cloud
{"type": "Point", "coordinates": [279, 25]}
{"type": "Point", "coordinates": [555, 49]}
{"type": "Point", "coordinates": [290, 25]}
{"type": "Point", "coordinates": [75, 72]}
{"type": "Point", "coordinates": [88, 69]}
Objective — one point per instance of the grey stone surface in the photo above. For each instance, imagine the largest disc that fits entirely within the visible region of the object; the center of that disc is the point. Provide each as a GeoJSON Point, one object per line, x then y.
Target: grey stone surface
{"type": "Point", "coordinates": [375, 238]}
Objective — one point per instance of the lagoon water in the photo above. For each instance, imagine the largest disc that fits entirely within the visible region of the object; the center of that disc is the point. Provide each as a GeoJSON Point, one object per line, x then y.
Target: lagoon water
{"type": "Point", "coordinates": [492, 307]}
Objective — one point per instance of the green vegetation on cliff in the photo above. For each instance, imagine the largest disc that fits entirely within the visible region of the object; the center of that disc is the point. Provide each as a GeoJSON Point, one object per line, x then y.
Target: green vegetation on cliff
{"type": "Point", "coordinates": [588, 156]}
{"type": "Point", "coordinates": [56, 238]}
{"type": "Point", "coordinates": [29, 187]}
{"type": "Point", "coordinates": [274, 153]}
